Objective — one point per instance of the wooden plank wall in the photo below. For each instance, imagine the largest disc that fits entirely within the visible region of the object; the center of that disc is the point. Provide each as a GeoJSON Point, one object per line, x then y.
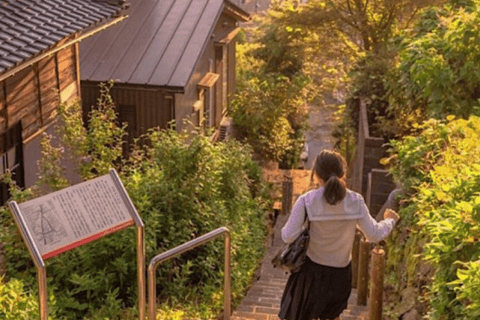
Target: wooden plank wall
{"type": "Point", "coordinates": [31, 96]}
{"type": "Point", "coordinates": [22, 101]}
{"type": "Point", "coordinates": [67, 74]}
{"type": "Point", "coordinates": [48, 89]}
{"type": "Point", "coordinates": [151, 107]}
{"type": "Point", "coordinates": [3, 118]}
{"type": "Point", "coordinates": [231, 70]}
{"type": "Point", "coordinates": [218, 102]}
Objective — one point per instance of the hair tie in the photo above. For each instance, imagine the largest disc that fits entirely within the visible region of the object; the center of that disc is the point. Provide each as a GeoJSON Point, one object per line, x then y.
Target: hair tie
{"type": "Point", "coordinates": [332, 175]}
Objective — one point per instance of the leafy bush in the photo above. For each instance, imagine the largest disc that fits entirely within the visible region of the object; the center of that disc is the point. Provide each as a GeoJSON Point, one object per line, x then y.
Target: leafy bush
{"type": "Point", "coordinates": [188, 189]}
{"type": "Point", "coordinates": [16, 303]}
{"type": "Point", "coordinates": [183, 186]}
{"type": "Point", "coordinates": [97, 147]}
{"type": "Point", "coordinates": [436, 73]}
{"type": "Point", "coordinates": [269, 113]}
{"type": "Point", "coordinates": [438, 238]}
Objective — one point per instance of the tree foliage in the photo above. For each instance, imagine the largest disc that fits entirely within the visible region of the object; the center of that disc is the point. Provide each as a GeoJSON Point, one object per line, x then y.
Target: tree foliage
{"type": "Point", "coordinates": [269, 109]}
{"type": "Point", "coordinates": [346, 49]}
{"type": "Point", "coordinates": [437, 71]}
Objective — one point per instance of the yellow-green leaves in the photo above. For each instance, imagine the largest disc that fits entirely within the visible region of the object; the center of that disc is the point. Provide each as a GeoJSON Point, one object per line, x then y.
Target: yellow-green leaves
{"type": "Point", "coordinates": [438, 64]}
{"type": "Point", "coordinates": [441, 169]}
{"type": "Point", "coordinates": [451, 117]}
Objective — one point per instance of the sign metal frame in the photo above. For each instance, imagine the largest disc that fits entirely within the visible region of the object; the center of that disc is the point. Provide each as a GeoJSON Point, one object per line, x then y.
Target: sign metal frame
{"type": "Point", "coordinates": [39, 260]}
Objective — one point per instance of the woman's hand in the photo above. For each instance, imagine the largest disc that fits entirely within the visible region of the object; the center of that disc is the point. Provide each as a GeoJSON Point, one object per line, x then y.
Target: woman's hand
{"type": "Point", "coordinates": [389, 213]}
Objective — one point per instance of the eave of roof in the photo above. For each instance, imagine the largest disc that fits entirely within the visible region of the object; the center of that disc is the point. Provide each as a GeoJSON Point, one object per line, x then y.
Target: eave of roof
{"type": "Point", "coordinates": [33, 28]}
{"type": "Point", "coordinates": [237, 12]}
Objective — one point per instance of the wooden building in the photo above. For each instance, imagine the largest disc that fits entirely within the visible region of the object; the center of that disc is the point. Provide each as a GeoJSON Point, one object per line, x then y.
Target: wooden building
{"type": "Point", "coordinates": [39, 65]}
{"type": "Point", "coordinates": [172, 60]}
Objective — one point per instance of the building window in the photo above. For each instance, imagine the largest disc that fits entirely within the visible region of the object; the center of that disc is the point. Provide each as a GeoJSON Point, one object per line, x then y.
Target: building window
{"type": "Point", "coordinates": [206, 88]}
{"type": "Point", "coordinates": [11, 159]}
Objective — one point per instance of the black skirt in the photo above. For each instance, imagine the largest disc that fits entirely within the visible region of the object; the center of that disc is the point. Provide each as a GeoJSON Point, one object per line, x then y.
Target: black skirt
{"type": "Point", "coordinates": [316, 292]}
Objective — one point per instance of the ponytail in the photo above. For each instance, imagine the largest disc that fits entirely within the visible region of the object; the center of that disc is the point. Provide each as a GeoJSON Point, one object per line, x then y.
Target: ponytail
{"type": "Point", "coordinates": [335, 190]}
{"type": "Point", "coordinates": [331, 167]}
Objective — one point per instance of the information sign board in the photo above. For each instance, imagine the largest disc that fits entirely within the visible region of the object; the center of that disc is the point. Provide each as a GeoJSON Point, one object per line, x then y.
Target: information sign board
{"type": "Point", "coordinates": [76, 215]}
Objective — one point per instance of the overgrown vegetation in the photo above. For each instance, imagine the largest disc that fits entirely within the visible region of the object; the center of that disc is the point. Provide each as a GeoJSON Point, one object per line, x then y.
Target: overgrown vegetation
{"type": "Point", "coordinates": [269, 109]}
{"type": "Point", "coordinates": [330, 52]}
{"type": "Point", "coordinates": [415, 65]}
{"type": "Point", "coordinates": [436, 70]}
{"type": "Point", "coordinates": [434, 254]}
{"type": "Point", "coordinates": [183, 186]}
{"type": "Point", "coordinates": [436, 248]}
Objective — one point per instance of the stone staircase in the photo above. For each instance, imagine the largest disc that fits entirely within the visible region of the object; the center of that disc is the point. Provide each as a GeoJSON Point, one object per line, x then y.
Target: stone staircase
{"type": "Point", "coordinates": [262, 301]}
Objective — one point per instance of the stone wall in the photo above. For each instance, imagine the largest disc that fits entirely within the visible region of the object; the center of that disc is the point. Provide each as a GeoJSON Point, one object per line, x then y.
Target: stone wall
{"type": "Point", "coordinates": [368, 176]}
{"type": "Point", "coordinates": [379, 186]}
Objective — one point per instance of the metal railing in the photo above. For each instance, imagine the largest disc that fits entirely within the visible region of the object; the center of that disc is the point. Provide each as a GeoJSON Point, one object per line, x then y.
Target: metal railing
{"type": "Point", "coordinates": [167, 255]}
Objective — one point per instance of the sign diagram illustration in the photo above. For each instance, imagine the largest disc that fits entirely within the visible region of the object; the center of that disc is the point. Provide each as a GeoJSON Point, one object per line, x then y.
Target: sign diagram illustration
{"type": "Point", "coordinates": [47, 228]}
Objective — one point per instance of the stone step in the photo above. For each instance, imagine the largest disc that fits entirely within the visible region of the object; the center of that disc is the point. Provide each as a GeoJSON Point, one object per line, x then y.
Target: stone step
{"type": "Point", "coordinates": [256, 307]}
{"type": "Point", "coordinates": [238, 315]}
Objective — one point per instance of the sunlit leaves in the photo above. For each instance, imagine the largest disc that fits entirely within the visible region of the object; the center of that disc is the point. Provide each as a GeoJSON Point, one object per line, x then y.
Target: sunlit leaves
{"type": "Point", "coordinates": [438, 70]}
{"type": "Point", "coordinates": [183, 186]}
{"type": "Point", "coordinates": [441, 170]}
{"type": "Point", "coordinates": [273, 87]}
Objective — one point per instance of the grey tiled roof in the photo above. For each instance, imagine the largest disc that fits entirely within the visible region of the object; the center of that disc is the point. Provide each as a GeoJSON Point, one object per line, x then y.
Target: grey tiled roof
{"type": "Point", "coordinates": [30, 27]}
{"type": "Point", "coordinates": [158, 45]}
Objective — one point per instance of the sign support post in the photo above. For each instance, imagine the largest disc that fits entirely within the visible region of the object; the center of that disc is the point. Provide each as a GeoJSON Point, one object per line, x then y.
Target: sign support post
{"type": "Point", "coordinates": [37, 260]}
{"type": "Point", "coordinates": [141, 272]}
{"type": "Point", "coordinates": [140, 244]}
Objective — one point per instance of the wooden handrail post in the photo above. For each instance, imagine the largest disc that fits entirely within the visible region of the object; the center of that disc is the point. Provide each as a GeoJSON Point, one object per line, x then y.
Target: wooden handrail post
{"type": "Point", "coordinates": [355, 254]}
{"type": "Point", "coordinates": [376, 293]}
{"type": "Point", "coordinates": [287, 193]}
{"type": "Point", "coordinates": [362, 285]}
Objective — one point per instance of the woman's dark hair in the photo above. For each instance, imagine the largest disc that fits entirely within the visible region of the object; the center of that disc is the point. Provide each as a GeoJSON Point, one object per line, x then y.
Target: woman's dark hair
{"type": "Point", "coordinates": [331, 167]}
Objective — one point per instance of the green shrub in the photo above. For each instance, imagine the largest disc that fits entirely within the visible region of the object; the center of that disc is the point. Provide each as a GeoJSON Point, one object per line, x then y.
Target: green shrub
{"type": "Point", "coordinates": [18, 304]}
{"type": "Point", "coordinates": [183, 186]}
{"type": "Point", "coordinates": [440, 228]}
{"type": "Point", "coordinates": [188, 189]}
{"type": "Point", "coordinates": [436, 72]}
{"type": "Point", "coordinates": [270, 114]}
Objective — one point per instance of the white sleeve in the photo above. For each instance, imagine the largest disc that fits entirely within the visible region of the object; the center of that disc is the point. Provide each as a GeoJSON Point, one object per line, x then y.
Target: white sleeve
{"type": "Point", "coordinates": [292, 229]}
{"type": "Point", "coordinates": [373, 230]}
